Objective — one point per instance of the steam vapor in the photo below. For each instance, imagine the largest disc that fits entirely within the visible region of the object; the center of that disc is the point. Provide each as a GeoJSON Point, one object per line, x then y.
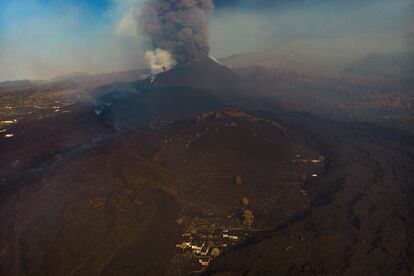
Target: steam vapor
{"type": "Point", "coordinates": [159, 60]}
{"type": "Point", "coordinates": [177, 26]}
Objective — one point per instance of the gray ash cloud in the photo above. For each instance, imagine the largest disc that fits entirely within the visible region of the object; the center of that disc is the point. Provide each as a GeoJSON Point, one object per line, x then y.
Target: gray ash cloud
{"type": "Point", "coordinates": [178, 26]}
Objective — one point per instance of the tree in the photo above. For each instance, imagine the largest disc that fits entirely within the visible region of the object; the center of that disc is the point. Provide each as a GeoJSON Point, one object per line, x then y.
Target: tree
{"type": "Point", "coordinates": [248, 218]}
{"type": "Point", "coordinates": [215, 252]}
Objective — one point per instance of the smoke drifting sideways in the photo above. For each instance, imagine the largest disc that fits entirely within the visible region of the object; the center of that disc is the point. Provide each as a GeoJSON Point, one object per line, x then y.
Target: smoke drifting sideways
{"type": "Point", "coordinates": [179, 27]}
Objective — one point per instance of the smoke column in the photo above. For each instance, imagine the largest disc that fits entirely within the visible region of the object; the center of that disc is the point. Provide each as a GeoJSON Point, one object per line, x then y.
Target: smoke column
{"type": "Point", "coordinates": [177, 26]}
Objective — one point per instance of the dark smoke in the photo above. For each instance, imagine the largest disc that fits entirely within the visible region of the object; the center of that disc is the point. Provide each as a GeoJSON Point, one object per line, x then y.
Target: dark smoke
{"type": "Point", "coordinates": [178, 26]}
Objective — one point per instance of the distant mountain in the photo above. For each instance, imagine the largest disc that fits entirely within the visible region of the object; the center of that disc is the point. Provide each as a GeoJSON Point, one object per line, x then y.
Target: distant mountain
{"type": "Point", "coordinates": [81, 80]}
{"type": "Point", "coordinates": [19, 83]}
{"type": "Point", "coordinates": [302, 55]}
{"type": "Point", "coordinates": [330, 57]}
{"type": "Point", "coordinates": [88, 81]}
{"type": "Point", "coordinates": [71, 76]}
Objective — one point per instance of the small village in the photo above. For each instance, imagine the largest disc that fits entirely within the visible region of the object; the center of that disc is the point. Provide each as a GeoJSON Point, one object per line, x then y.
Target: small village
{"type": "Point", "coordinates": [310, 167]}
{"type": "Point", "coordinates": [201, 246]}
{"type": "Point", "coordinates": [207, 237]}
{"type": "Point", "coordinates": [21, 113]}
{"type": "Point", "coordinates": [5, 131]}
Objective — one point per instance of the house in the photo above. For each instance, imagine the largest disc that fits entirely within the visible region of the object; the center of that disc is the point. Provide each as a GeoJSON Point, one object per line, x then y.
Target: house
{"type": "Point", "coordinates": [205, 261]}
{"type": "Point", "coordinates": [182, 246]}
{"type": "Point", "coordinates": [197, 249]}
{"type": "Point", "coordinates": [231, 237]}
{"type": "Point", "coordinates": [205, 250]}
{"type": "Point", "coordinates": [8, 121]}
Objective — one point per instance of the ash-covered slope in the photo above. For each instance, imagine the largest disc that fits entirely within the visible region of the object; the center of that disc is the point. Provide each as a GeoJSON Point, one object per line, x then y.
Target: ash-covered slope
{"type": "Point", "coordinates": [154, 106]}
{"type": "Point", "coordinates": [327, 198]}
{"type": "Point", "coordinates": [360, 221]}
{"type": "Point", "coordinates": [274, 195]}
{"type": "Point", "coordinates": [96, 202]}
{"type": "Point", "coordinates": [204, 74]}
{"type": "Point", "coordinates": [180, 93]}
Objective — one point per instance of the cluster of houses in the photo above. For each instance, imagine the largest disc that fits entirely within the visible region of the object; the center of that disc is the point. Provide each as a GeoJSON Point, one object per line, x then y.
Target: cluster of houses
{"type": "Point", "coordinates": [7, 122]}
{"type": "Point", "coordinates": [56, 108]}
{"type": "Point", "coordinates": [298, 159]}
{"type": "Point", "coordinates": [312, 162]}
{"type": "Point", "coordinates": [206, 246]}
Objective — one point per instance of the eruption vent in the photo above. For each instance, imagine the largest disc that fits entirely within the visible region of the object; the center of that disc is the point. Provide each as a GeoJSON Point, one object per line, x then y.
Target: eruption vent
{"type": "Point", "coordinates": [177, 26]}
{"type": "Point", "coordinates": [159, 60]}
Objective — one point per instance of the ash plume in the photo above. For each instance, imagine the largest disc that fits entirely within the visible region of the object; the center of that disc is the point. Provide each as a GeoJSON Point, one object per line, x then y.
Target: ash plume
{"type": "Point", "coordinates": [177, 26]}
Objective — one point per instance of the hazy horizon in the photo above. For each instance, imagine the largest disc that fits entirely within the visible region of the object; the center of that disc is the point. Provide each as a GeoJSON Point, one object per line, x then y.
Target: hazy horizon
{"type": "Point", "coordinates": [40, 39]}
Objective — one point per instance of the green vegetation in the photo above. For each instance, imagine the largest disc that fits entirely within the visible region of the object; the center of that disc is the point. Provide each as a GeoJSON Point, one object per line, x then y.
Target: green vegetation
{"type": "Point", "coordinates": [245, 201]}
{"type": "Point", "coordinates": [248, 218]}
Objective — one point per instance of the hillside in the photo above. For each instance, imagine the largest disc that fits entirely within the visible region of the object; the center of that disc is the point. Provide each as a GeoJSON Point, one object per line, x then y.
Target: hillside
{"type": "Point", "coordinates": [156, 177]}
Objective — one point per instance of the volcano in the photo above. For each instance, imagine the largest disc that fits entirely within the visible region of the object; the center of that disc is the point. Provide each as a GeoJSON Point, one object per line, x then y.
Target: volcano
{"type": "Point", "coordinates": [204, 74]}
{"type": "Point", "coordinates": [177, 94]}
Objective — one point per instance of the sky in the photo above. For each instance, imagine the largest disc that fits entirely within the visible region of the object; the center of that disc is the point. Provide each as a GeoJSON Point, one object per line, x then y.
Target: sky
{"type": "Point", "coordinates": [40, 39]}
